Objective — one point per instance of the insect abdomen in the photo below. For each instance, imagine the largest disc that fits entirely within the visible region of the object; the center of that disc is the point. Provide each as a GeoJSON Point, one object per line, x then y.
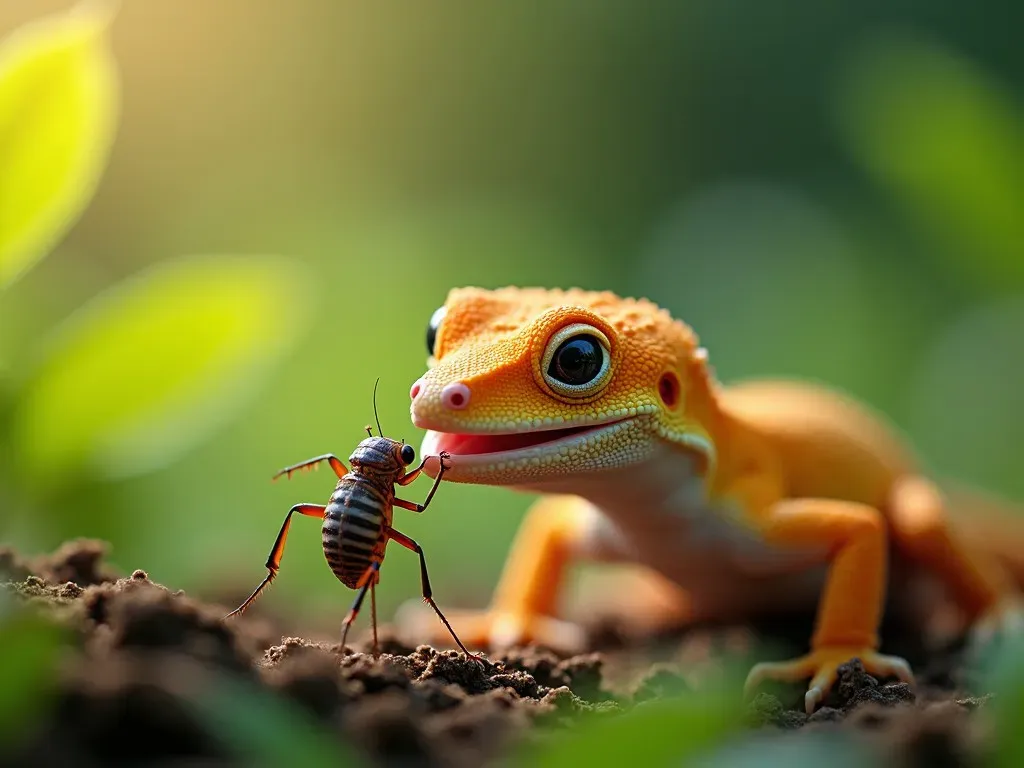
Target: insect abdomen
{"type": "Point", "coordinates": [353, 528]}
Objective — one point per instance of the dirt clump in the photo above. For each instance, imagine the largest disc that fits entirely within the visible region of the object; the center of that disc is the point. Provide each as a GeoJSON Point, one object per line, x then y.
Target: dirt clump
{"type": "Point", "coordinates": [80, 562]}
{"type": "Point", "coordinates": [155, 675]}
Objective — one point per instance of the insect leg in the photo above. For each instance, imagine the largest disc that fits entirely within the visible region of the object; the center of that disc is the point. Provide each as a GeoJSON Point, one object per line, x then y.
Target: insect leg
{"type": "Point", "coordinates": [373, 617]}
{"type": "Point", "coordinates": [413, 506]}
{"type": "Point", "coordinates": [277, 551]}
{"type": "Point", "coordinates": [413, 474]}
{"type": "Point", "coordinates": [335, 462]}
{"type": "Point", "coordinates": [366, 581]}
{"type": "Point", "coordinates": [408, 543]}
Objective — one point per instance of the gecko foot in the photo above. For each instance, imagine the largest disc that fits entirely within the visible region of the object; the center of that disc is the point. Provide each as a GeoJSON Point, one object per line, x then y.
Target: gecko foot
{"type": "Point", "coordinates": [822, 666]}
{"type": "Point", "coordinates": [495, 630]}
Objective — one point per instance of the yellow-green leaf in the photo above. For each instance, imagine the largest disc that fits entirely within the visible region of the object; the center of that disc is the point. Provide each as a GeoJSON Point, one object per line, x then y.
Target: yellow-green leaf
{"type": "Point", "coordinates": [59, 101]}
{"type": "Point", "coordinates": [156, 364]}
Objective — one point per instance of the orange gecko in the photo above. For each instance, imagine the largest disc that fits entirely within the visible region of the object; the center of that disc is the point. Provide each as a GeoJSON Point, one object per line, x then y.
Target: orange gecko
{"type": "Point", "coordinates": [732, 501]}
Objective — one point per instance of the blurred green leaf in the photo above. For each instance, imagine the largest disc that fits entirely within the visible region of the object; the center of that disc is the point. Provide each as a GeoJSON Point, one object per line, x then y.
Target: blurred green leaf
{"type": "Point", "coordinates": [797, 262]}
{"type": "Point", "coordinates": [266, 730]}
{"type": "Point", "coordinates": [949, 144]}
{"type": "Point", "coordinates": [979, 445]}
{"type": "Point", "coordinates": [800, 749]}
{"type": "Point", "coordinates": [151, 367]}
{"type": "Point", "coordinates": [58, 115]}
{"type": "Point", "coordinates": [672, 729]}
{"type": "Point", "coordinates": [29, 647]}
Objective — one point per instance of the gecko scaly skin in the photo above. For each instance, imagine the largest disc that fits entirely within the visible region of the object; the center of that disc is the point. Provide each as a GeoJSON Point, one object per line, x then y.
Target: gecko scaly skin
{"type": "Point", "coordinates": [734, 500]}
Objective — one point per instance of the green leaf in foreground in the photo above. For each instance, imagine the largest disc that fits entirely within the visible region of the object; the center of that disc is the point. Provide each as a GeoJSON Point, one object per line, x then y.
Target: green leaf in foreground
{"type": "Point", "coordinates": [949, 145]}
{"type": "Point", "coordinates": [59, 101]}
{"type": "Point", "coordinates": [156, 364]}
{"type": "Point", "coordinates": [663, 732]}
{"type": "Point", "coordinates": [29, 647]}
{"type": "Point", "coordinates": [265, 730]}
{"type": "Point", "coordinates": [796, 749]}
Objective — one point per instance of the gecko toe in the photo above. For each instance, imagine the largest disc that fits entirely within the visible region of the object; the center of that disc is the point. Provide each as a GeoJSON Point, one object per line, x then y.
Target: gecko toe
{"type": "Point", "coordinates": [783, 671]}
{"type": "Point", "coordinates": [812, 699]}
{"type": "Point", "coordinates": [900, 668]}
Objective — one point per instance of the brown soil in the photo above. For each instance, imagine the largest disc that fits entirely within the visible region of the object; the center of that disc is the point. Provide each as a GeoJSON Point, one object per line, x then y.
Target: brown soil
{"type": "Point", "coordinates": [144, 651]}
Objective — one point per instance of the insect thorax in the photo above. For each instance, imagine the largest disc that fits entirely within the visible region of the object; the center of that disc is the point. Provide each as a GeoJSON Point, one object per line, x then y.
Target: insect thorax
{"type": "Point", "coordinates": [378, 456]}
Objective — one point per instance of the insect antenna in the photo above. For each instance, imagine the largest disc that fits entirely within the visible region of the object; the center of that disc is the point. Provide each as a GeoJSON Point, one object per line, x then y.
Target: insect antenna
{"type": "Point", "coordinates": [375, 416]}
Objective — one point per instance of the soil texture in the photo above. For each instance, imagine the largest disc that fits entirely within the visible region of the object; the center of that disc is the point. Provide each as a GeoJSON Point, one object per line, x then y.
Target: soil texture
{"type": "Point", "coordinates": [143, 655]}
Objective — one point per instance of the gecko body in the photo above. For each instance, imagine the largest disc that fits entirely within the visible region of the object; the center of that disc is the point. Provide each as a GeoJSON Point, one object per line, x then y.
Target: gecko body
{"type": "Point", "coordinates": [731, 500]}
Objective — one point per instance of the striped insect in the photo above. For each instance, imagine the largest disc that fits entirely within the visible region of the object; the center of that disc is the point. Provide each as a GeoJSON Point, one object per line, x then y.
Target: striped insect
{"type": "Point", "coordinates": [357, 522]}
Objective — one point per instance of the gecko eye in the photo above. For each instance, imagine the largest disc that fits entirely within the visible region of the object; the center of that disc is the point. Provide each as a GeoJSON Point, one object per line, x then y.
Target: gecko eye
{"type": "Point", "coordinates": [408, 454]}
{"type": "Point", "coordinates": [577, 361]}
{"type": "Point", "coordinates": [432, 326]}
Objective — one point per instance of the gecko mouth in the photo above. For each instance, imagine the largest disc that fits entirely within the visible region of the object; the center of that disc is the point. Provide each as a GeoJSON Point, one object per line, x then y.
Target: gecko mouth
{"type": "Point", "coordinates": [486, 449]}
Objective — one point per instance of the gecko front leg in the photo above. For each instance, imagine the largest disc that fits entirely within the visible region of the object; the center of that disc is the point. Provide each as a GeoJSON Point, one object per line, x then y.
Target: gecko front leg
{"type": "Point", "coordinates": [558, 533]}
{"type": "Point", "coordinates": [852, 538]}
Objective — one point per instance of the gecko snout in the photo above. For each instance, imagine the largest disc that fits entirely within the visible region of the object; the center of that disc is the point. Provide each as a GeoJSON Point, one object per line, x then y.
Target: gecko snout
{"type": "Point", "coordinates": [454, 397]}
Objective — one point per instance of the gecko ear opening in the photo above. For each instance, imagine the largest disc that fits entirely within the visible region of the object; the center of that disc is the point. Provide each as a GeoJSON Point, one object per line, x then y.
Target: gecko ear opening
{"type": "Point", "coordinates": [668, 389]}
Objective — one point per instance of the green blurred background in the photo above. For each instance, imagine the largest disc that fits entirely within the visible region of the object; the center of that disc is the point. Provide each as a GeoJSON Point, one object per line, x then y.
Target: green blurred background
{"type": "Point", "coordinates": [826, 190]}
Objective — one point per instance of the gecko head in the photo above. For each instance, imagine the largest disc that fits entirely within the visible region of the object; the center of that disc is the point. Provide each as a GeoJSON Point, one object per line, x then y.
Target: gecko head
{"type": "Point", "coordinates": [527, 387]}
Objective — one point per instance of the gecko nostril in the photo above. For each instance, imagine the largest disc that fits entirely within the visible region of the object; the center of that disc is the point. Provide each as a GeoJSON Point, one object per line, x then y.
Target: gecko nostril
{"type": "Point", "coordinates": [416, 387]}
{"type": "Point", "coordinates": [455, 396]}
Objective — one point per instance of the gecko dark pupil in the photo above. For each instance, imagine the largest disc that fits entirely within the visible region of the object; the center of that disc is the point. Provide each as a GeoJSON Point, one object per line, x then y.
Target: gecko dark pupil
{"type": "Point", "coordinates": [577, 361]}
{"type": "Point", "coordinates": [408, 454]}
